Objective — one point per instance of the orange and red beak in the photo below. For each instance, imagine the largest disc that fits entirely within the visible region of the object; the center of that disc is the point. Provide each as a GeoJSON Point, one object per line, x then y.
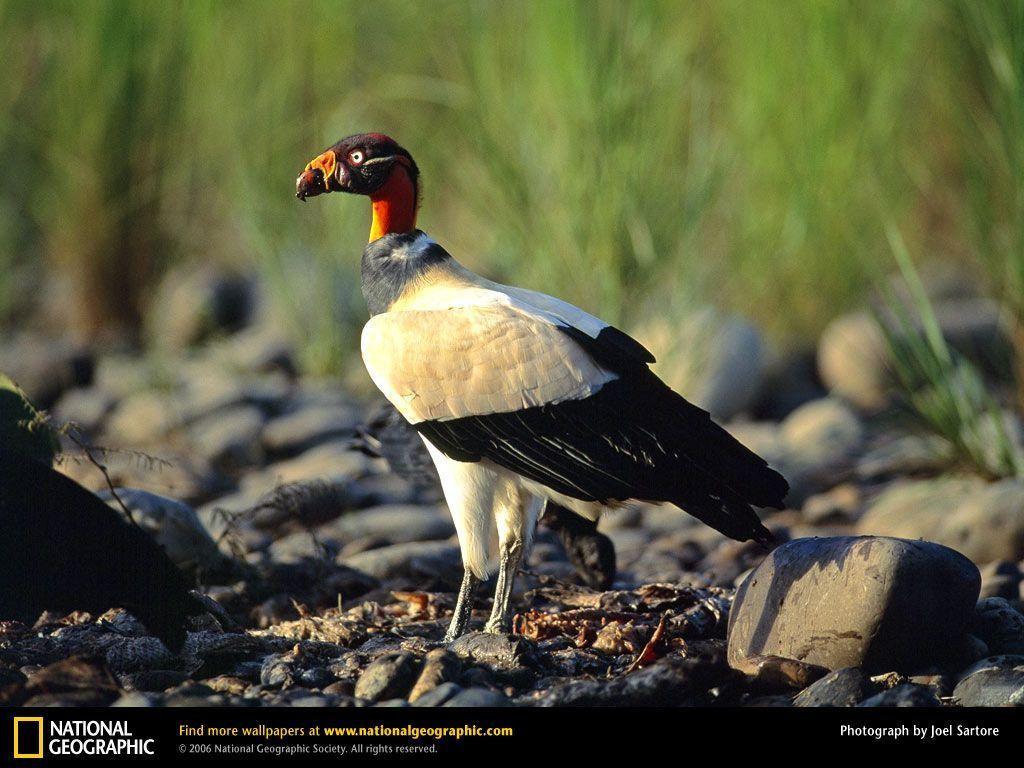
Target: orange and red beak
{"type": "Point", "coordinates": [314, 180]}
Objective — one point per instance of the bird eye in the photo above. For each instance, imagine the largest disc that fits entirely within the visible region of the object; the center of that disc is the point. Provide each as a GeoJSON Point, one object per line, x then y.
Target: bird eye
{"type": "Point", "coordinates": [356, 156]}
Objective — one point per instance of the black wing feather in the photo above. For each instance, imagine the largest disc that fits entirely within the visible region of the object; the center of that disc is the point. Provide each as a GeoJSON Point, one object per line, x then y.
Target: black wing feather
{"type": "Point", "coordinates": [634, 439]}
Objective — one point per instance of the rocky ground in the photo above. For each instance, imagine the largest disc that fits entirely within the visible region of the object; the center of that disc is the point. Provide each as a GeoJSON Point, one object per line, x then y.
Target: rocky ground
{"type": "Point", "coordinates": [336, 576]}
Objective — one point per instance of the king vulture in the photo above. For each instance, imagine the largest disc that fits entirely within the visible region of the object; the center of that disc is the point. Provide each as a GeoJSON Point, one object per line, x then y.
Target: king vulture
{"type": "Point", "coordinates": [389, 436]}
{"type": "Point", "coordinates": [520, 397]}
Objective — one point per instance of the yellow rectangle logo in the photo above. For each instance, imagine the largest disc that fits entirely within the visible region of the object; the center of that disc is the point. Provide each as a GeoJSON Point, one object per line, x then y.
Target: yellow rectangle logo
{"type": "Point", "coordinates": [29, 741]}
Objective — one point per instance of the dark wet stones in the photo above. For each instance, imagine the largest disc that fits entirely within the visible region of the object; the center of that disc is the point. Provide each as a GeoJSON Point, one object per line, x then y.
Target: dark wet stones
{"type": "Point", "coordinates": [904, 695]}
{"type": "Point", "coordinates": [153, 679]}
{"type": "Point", "coordinates": [999, 626]}
{"type": "Point", "coordinates": [776, 672]}
{"type": "Point", "coordinates": [842, 688]}
{"type": "Point", "coordinates": [75, 681]}
{"type": "Point", "coordinates": [440, 666]}
{"type": "Point", "coordinates": [477, 697]}
{"type": "Point", "coordinates": [277, 672]}
{"type": "Point", "coordinates": [994, 682]}
{"type": "Point", "coordinates": [435, 697]}
{"type": "Point", "coordinates": [871, 602]}
{"type": "Point", "coordinates": [388, 677]}
{"type": "Point", "coordinates": [498, 651]}
{"type": "Point", "coordinates": [670, 681]}
{"type": "Point", "coordinates": [1001, 579]}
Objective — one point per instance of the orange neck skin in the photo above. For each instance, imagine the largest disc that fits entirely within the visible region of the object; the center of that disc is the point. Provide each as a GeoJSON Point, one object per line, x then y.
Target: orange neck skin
{"type": "Point", "coordinates": [394, 205]}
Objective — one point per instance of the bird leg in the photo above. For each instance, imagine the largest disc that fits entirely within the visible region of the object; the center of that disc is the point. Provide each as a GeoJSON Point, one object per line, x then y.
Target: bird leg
{"type": "Point", "coordinates": [463, 606]}
{"type": "Point", "coordinates": [500, 622]}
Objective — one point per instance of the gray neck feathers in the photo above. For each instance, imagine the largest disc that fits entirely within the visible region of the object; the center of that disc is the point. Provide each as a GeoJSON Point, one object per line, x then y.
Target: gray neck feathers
{"type": "Point", "coordinates": [392, 262]}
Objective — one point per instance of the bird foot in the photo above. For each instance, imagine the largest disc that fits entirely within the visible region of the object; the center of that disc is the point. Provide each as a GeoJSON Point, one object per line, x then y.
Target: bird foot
{"type": "Point", "coordinates": [498, 627]}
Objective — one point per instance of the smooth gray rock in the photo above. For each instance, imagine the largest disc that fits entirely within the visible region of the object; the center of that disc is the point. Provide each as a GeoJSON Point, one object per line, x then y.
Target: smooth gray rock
{"type": "Point", "coordinates": [905, 695]}
{"type": "Point", "coordinates": [435, 697]}
{"type": "Point", "coordinates": [499, 651]}
{"type": "Point", "coordinates": [477, 697]}
{"type": "Point", "coordinates": [1001, 579]}
{"type": "Point", "coordinates": [439, 667]}
{"type": "Point", "coordinates": [229, 437]}
{"type": "Point", "coordinates": [334, 462]}
{"type": "Point", "coordinates": [140, 419]}
{"type": "Point", "coordinates": [853, 357]}
{"type": "Point", "coordinates": [983, 520]}
{"type": "Point", "coordinates": [417, 558]}
{"type": "Point", "coordinates": [195, 302]}
{"type": "Point", "coordinates": [136, 699]}
{"type": "Point", "coordinates": [45, 368]}
{"type": "Point", "coordinates": [997, 681]}
{"type": "Point", "coordinates": [999, 625]}
{"type": "Point", "coordinates": [878, 603]}
{"type": "Point", "coordinates": [297, 546]}
{"type": "Point", "coordinates": [388, 677]}
{"type": "Point", "coordinates": [842, 688]}
{"type": "Point", "coordinates": [176, 527]}
{"type": "Point", "coordinates": [85, 407]}
{"type": "Point", "coordinates": [395, 523]}
{"type": "Point", "coordinates": [814, 447]}
{"type": "Point", "coordinates": [718, 362]}
{"type": "Point", "coordinates": [298, 431]}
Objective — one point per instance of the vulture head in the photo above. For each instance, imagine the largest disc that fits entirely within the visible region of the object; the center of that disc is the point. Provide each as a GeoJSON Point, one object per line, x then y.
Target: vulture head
{"type": "Point", "coordinates": [361, 165]}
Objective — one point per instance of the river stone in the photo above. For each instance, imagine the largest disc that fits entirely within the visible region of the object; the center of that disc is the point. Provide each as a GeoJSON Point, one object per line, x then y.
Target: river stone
{"type": "Point", "coordinates": [85, 407]}
{"type": "Point", "coordinates": [22, 428]}
{"type": "Point", "coordinates": [1001, 579]}
{"type": "Point", "coordinates": [983, 520]}
{"type": "Point", "coordinates": [905, 695]}
{"type": "Point", "coordinates": [477, 697]}
{"type": "Point", "coordinates": [435, 697]}
{"type": "Point", "coordinates": [175, 526]}
{"type": "Point", "coordinates": [142, 418]}
{"type": "Point", "coordinates": [305, 428]}
{"type": "Point", "coordinates": [196, 302]}
{"type": "Point", "coordinates": [437, 559]}
{"type": "Point", "coordinates": [395, 523]}
{"type": "Point", "coordinates": [45, 368]}
{"type": "Point", "coordinates": [853, 357]}
{"type": "Point", "coordinates": [999, 625]}
{"type": "Point", "coordinates": [852, 360]}
{"type": "Point", "coordinates": [842, 688]}
{"type": "Point", "coordinates": [229, 437]}
{"type": "Point", "coordinates": [440, 667]}
{"type": "Point", "coordinates": [997, 681]}
{"type": "Point", "coordinates": [388, 677]}
{"type": "Point", "coordinates": [872, 602]}
{"type": "Point", "coordinates": [718, 362]}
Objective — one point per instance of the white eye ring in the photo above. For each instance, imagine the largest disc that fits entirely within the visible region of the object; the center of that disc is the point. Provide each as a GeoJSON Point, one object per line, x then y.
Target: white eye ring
{"type": "Point", "coordinates": [356, 156]}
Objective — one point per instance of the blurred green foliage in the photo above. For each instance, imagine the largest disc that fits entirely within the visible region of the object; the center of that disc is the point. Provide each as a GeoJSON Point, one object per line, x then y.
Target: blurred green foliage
{"type": "Point", "coordinates": [629, 156]}
{"type": "Point", "coordinates": [22, 428]}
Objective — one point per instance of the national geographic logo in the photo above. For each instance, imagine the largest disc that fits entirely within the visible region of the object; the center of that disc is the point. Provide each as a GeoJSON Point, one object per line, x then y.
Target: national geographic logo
{"type": "Point", "coordinates": [28, 737]}
{"type": "Point", "coordinates": [34, 738]}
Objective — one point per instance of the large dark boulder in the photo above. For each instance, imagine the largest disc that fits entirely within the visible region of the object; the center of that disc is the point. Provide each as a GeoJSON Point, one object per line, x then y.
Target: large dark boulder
{"type": "Point", "coordinates": [877, 603]}
{"type": "Point", "coordinates": [63, 549]}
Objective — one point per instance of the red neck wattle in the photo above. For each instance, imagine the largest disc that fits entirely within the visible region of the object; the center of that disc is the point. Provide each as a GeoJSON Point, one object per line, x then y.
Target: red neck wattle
{"type": "Point", "coordinates": [394, 205]}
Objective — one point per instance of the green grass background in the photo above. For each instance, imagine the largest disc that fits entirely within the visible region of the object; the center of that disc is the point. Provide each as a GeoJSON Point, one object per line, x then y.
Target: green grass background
{"type": "Point", "coordinates": [637, 158]}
